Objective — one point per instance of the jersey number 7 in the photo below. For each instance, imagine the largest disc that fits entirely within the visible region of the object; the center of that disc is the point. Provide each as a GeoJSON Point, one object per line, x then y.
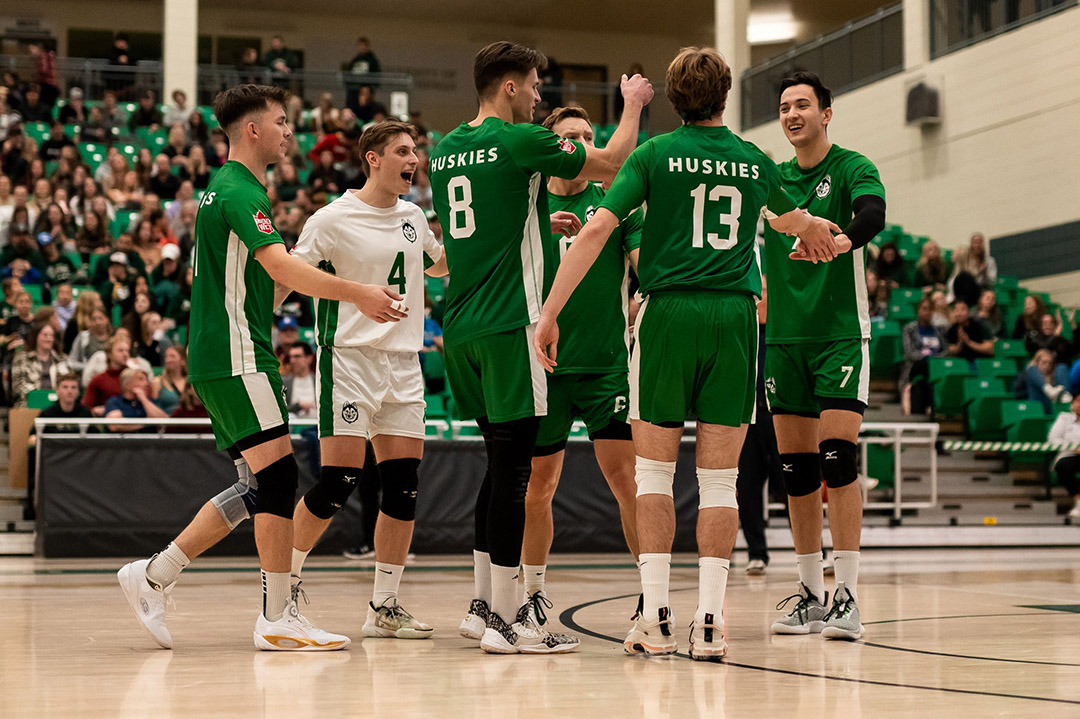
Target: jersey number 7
{"type": "Point", "coordinates": [730, 219]}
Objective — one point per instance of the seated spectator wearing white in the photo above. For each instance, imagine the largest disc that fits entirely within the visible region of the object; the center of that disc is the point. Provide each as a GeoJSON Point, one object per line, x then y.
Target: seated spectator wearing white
{"type": "Point", "coordinates": [974, 270]}
{"type": "Point", "coordinates": [178, 112]}
{"type": "Point", "coordinates": [922, 340]}
{"type": "Point", "coordinates": [1049, 338]}
{"type": "Point", "coordinates": [102, 362]}
{"type": "Point", "coordinates": [133, 402]}
{"type": "Point", "coordinates": [300, 382]}
{"type": "Point", "coordinates": [1066, 428]}
{"type": "Point", "coordinates": [942, 316]}
{"type": "Point", "coordinates": [39, 364]}
{"type": "Point", "coordinates": [1047, 380]}
{"type": "Point", "coordinates": [64, 306]}
{"type": "Point", "coordinates": [967, 338]}
{"type": "Point", "coordinates": [169, 386]}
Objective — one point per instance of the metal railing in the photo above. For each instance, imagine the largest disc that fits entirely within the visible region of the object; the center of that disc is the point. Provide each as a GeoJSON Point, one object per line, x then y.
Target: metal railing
{"type": "Point", "coordinates": [956, 24]}
{"type": "Point", "coordinates": [858, 54]}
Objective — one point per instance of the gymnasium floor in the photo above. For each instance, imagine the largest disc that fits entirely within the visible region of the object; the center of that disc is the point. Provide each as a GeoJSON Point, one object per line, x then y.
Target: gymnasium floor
{"type": "Point", "coordinates": [949, 632]}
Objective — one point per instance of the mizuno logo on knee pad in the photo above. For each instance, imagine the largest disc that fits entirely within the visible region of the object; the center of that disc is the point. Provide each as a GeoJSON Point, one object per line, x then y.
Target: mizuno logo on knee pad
{"type": "Point", "coordinates": [830, 455]}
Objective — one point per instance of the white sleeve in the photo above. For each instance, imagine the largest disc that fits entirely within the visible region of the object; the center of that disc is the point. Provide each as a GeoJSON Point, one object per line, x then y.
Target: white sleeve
{"type": "Point", "coordinates": [1057, 431]}
{"type": "Point", "coordinates": [314, 245]}
{"type": "Point", "coordinates": [432, 248]}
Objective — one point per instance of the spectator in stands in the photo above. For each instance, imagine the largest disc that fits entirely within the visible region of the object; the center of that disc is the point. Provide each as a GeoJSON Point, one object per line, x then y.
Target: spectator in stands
{"type": "Point", "coordinates": [111, 172]}
{"type": "Point", "coordinates": [1049, 337]}
{"type": "Point", "coordinates": [95, 329]}
{"type": "Point", "coordinates": [12, 288]}
{"type": "Point", "coordinates": [38, 365]}
{"type": "Point", "coordinates": [133, 402]}
{"type": "Point", "coordinates": [177, 113]}
{"type": "Point", "coordinates": [286, 181]}
{"type": "Point", "coordinates": [112, 114]}
{"type": "Point", "coordinates": [152, 341]}
{"type": "Point", "coordinates": [922, 340]}
{"type": "Point", "coordinates": [9, 117]}
{"type": "Point", "coordinates": [248, 67]}
{"type": "Point", "coordinates": [890, 265]}
{"type": "Point", "coordinates": [49, 150]}
{"type": "Point", "coordinates": [7, 204]}
{"type": "Point", "coordinates": [74, 112]}
{"type": "Point", "coordinates": [170, 385]}
{"type": "Point", "coordinates": [974, 270]}
{"type": "Point", "coordinates": [106, 384]}
{"type": "Point", "coordinates": [13, 161]}
{"type": "Point", "coordinates": [195, 169]}
{"type": "Point", "coordinates": [99, 362]}
{"type": "Point", "coordinates": [198, 132]}
{"type": "Point", "coordinates": [117, 288]}
{"type": "Point", "coordinates": [146, 114]}
{"type": "Point", "coordinates": [141, 304]}
{"type": "Point", "coordinates": [179, 307]}
{"type": "Point", "coordinates": [93, 237]}
{"type": "Point", "coordinates": [162, 182]}
{"type": "Point", "coordinates": [66, 406]}
{"type": "Point", "coordinates": [94, 129]}
{"type": "Point", "coordinates": [21, 246]}
{"type": "Point", "coordinates": [324, 116]}
{"type": "Point", "coordinates": [1066, 429]}
{"type": "Point", "coordinates": [364, 62]}
{"type": "Point", "coordinates": [85, 193]}
{"type": "Point", "coordinates": [280, 60]}
{"type": "Point", "coordinates": [942, 316]}
{"type": "Point", "coordinates": [177, 148]}
{"type": "Point", "coordinates": [144, 166]}
{"type": "Point", "coordinates": [128, 193]}
{"type": "Point", "coordinates": [34, 108]}
{"type": "Point", "coordinates": [294, 113]}
{"type": "Point", "coordinates": [183, 228]}
{"type": "Point", "coordinates": [64, 306]}
{"type": "Point", "coordinates": [1047, 380]}
{"type": "Point", "coordinates": [167, 275]}
{"type": "Point", "coordinates": [217, 151]}
{"type": "Point", "coordinates": [55, 225]}
{"type": "Point", "coordinates": [325, 177]}
{"type": "Point", "coordinates": [190, 407]}
{"type": "Point", "coordinates": [932, 271]}
{"type": "Point", "coordinates": [17, 327]}
{"type": "Point", "coordinates": [433, 334]}
{"type": "Point", "coordinates": [288, 334]}
{"type": "Point", "coordinates": [1029, 322]}
{"type": "Point", "coordinates": [45, 70]}
{"type": "Point", "coordinates": [341, 143]}
{"type": "Point", "coordinates": [59, 269]}
{"type": "Point", "coordinates": [121, 54]}
{"type": "Point", "coordinates": [300, 382]}
{"type": "Point", "coordinates": [967, 338]}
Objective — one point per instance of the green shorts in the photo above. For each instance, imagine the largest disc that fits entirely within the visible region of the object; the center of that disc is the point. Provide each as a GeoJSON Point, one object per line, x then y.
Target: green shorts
{"type": "Point", "coordinates": [244, 405]}
{"type": "Point", "coordinates": [696, 356]}
{"type": "Point", "coordinates": [598, 399]}
{"type": "Point", "coordinates": [804, 378]}
{"type": "Point", "coordinates": [497, 376]}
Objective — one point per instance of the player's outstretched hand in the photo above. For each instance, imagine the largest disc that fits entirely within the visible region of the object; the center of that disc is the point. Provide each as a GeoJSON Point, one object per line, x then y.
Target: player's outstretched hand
{"type": "Point", "coordinates": [843, 244]}
{"type": "Point", "coordinates": [636, 89]}
{"type": "Point", "coordinates": [565, 223]}
{"type": "Point", "coordinates": [380, 303]}
{"type": "Point", "coordinates": [817, 238]}
{"type": "Point", "coordinates": [546, 341]}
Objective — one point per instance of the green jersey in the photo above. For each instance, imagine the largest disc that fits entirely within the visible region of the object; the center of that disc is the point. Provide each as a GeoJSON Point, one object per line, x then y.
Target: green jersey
{"type": "Point", "coordinates": [232, 296]}
{"type": "Point", "coordinates": [826, 301]}
{"type": "Point", "coordinates": [488, 188]}
{"type": "Point", "coordinates": [594, 333]}
{"type": "Point", "coordinates": [704, 188]}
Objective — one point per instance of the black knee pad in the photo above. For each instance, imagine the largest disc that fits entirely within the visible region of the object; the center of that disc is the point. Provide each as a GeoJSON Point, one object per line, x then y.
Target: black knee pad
{"type": "Point", "coordinates": [839, 462]}
{"type": "Point", "coordinates": [399, 484]}
{"type": "Point", "coordinates": [802, 473]}
{"type": "Point", "coordinates": [332, 491]}
{"type": "Point", "coordinates": [277, 487]}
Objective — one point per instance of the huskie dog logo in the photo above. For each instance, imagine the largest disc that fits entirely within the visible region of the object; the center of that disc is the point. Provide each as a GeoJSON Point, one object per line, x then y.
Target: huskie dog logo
{"type": "Point", "coordinates": [349, 412]}
{"type": "Point", "coordinates": [408, 230]}
{"type": "Point", "coordinates": [824, 187]}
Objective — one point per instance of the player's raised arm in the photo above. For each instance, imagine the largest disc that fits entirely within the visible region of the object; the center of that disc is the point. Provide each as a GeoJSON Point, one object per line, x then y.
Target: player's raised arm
{"type": "Point", "coordinates": [602, 165]}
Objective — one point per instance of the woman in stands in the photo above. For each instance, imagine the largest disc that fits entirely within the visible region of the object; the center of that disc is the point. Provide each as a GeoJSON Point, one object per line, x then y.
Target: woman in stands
{"type": "Point", "coordinates": [989, 313]}
{"type": "Point", "coordinates": [922, 340]}
{"type": "Point", "coordinates": [144, 166]}
{"type": "Point", "coordinates": [1066, 428]}
{"type": "Point", "coordinates": [932, 271]}
{"type": "Point", "coordinates": [1029, 322]}
{"type": "Point", "coordinates": [98, 330]}
{"type": "Point", "coordinates": [890, 265]}
{"type": "Point", "coordinates": [93, 237]}
{"type": "Point", "coordinates": [1049, 337]}
{"type": "Point", "coordinates": [151, 342]}
{"type": "Point", "coordinates": [39, 363]}
{"type": "Point", "coordinates": [170, 385]}
{"type": "Point", "coordinates": [1047, 380]}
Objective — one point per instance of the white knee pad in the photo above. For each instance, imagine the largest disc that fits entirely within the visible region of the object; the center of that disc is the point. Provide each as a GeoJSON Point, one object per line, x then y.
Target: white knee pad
{"type": "Point", "coordinates": [716, 488]}
{"type": "Point", "coordinates": [654, 477]}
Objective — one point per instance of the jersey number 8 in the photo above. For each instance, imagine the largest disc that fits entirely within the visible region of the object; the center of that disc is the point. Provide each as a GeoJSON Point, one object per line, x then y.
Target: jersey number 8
{"type": "Point", "coordinates": [462, 218]}
{"type": "Point", "coordinates": [730, 219]}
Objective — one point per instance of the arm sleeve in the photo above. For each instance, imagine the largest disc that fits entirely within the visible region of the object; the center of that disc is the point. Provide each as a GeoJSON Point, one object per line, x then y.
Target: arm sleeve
{"type": "Point", "coordinates": [538, 149]}
{"type": "Point", "coordinates": [632, 228]}
{"type": "Point", "coordinates": [868, 222]}
{"type": "Point", "coordinates": [433, 251]}
{"type": "Point", "coordinates": [249, 216]}
{"type": "Point", "coordinates": [631, 185]}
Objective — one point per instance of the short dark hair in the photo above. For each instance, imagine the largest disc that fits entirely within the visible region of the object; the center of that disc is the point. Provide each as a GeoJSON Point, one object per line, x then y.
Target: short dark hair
{"type": "Point", "coordinates": [67, 377]}
{"type": "Point", "coordinates": [805, 77]}
{"type": "Point", "coordinates": [565, 113]}
{"type": "Point", "coordinates": [230, 106]}
{"type": "Point", "coordinates": [502, 58]}
{"type": "Point", "coordinates": [303, 347]}
{"type": "Point", "coordinates": [378, 136]}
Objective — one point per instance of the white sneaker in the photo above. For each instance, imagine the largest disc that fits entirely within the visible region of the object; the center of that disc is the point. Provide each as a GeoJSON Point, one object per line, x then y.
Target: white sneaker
{"type": "Point", "coordinates": [707, 642]}
{"type": "Point", "coordinates": [1074, 513]}
{"type": "Point", "coordinates": [653, 637]}
{"type": "Point", "coordinates": [146, 600]}
{"type": "Point", "coordinates": [756, 568]}
{"type": "Point", "coordinates": [842, 621]}
{"type": "Point", "coordinates": [391, 620]}
{"type": "Point", "coordinates": [475, 622]}
{"type": "Point", "coordinates": [527, 634]}
{"type": "Point", "coordinates": [294, 633]}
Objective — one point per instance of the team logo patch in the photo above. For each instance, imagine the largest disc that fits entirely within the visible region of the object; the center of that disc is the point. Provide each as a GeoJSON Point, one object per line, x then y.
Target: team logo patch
{"type": "Point", "coordinates": [349, 413]}
{"type": "Point", "coordinates": [589, 213]}
{"type": "Point", "coordinates": [824, 187]}
{"type": "Point", "coordinates": [770, 385]}
{"type": "Point", "coordinates": [263, 223]}
{"type": "Point", "coordinates": [567, 146]}
{"type": "Point", "coordinates": [408, 230]}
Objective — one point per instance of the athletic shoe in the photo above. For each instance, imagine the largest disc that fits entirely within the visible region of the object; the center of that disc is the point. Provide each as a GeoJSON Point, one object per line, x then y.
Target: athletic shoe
{"type": "Point", "coordinates": [294, 633]}
{"type": "Point", "coordinates": [842, 621]}
{"type": "Point", "coordinates": [707, 640]}
{"type": "Point", "coordinates": [527, 634]}
{"type": "Point", "coordinates": [808, 616]}
{"type": "Point", "coordinates": [390, 619]}
{"type": "Point", "coordinates": [147, 600]}
{"type": "Point", "coordinates": [651, 637]}
{"type": "Point", "coordinates": [474, 623]}
{"type": "Point", "coordinates": [756, 568]}
{"type": "Point", "coordinates": [1074, 513]}
{"type": "Point", "coordinates": [362, 551]}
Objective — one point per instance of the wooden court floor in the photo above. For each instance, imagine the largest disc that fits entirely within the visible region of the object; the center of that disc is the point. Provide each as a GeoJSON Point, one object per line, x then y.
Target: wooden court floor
{"type": "Point", "coordinates": [962, 633]}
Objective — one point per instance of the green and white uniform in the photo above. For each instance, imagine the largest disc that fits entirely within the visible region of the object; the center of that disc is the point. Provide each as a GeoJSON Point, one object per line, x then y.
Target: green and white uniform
{"type": "Point", "coordinates": [704, 188]}
{"type": "Point", "coordinates": [231, 362]}
{"type": "Point", "coordinates": [591, 379]}
{"type": "Point", "coordinates": [368, 374]}
{"type": "Point", "coordinates": [818, 331]}
{"type": "Point", "coordinates": [489, 190]}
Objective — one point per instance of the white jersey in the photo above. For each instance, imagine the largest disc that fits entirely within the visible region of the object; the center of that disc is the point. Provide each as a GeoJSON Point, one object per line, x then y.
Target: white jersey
{"type": "Point", "coordinates": [379, 246]}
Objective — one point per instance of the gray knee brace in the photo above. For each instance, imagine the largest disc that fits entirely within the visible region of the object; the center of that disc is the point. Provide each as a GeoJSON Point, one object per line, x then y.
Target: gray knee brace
{"type": "Point", "coordinates": [237, 502]}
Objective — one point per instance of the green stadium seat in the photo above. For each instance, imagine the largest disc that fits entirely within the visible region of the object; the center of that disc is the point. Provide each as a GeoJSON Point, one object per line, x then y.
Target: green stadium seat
{"type": "Point", "coordinates": [902, 312]}
{"type": "Point", "coordinates": [306, 141]}
{"type": "Point", "coordinates": [881, 465]}
{"type": "Point", "coordinates": [35, 292]}
{"type": "Point", "coordinates": [991, 367]}
{"type": "Point", "coordinates": [984, 397]}
{"type": "Point", "coordinates": [434, 365]}
{"type": "Point", "coordinates": [436, 289]}
{"type": "Point", "coordinates": [947, 375]}
{"type": "Point", "coordinates": [436, 406]}
{"type": "Point", "coordinates": [38, 131]}
{"type": "Point", "coordinates": [1011, 348]}
{"type": "Point", "coordinates": [886, 348]}
{"type": "Point", "coordinates": [1007, 282]}
{"type": "Point", "coordinates": [50, 168]}
{"type": "Point", "coordinates": [72, 131]}
{"type": "Point", "coordinates": [1024, 421]}
{"type": "Point", "coordinates": [307, 334]}
{"type": "Point", "coordinates": [121, 223]}
{"type": "Point", "coordinates": [40, 398]}
{"type": "Point", "coordinates": [910, 295]}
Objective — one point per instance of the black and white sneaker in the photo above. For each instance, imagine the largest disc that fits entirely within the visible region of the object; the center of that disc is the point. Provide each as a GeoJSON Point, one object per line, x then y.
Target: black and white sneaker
{"type": "Point", "coordinates": [527, 634]}
{"type": "Point", "coordinates": [474, 623]}
{"type": "Point", "coordinates": [707, 643]}
{"type": "Point", "coordinates": [651, 637]}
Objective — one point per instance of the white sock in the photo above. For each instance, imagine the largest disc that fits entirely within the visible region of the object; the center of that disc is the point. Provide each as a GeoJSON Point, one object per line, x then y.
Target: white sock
{"type": "Point", "coordinates": [277, 593]}
{"type": "Point", "coordinates": [298, 559]}
{"type": "Point", "coordinates": [712, 585]}
{"type": "Point", "coordinates": [846, 566]}
{"type": "Point", "coordinates": [812, 573]}
{"type": "Point", "coordinates": [164, 568]}
{"type": "Point", "coordinates": [534, 578]}
{"type": "Point", "coordinates": [655, 575]}
{"type": "Point", "coordinates": [482, 576]}
{"type": "Point", "coordinates": [387, 581]}
{"type": "Point", "coordinates": [504, 592]}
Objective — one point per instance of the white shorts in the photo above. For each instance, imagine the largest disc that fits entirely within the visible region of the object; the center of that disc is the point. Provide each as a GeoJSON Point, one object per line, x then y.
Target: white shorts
{"type": "Point", "coordinates": [363, 392]}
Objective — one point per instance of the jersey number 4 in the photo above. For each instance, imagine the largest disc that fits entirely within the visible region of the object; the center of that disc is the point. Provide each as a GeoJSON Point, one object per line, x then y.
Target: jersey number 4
{"type": "Point", "coordinates": [728, 221]}
{"type": "Point", "coordinates": [397, 274]}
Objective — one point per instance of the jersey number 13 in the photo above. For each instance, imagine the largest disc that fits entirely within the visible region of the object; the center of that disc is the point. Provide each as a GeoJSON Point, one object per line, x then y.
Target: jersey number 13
{"type": "Point", "coordinates": [723, 240]}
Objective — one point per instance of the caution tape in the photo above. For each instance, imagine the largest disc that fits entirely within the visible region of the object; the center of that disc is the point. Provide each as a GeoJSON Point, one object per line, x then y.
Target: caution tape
{"type": "Point", "coordinates": [965, 445]}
